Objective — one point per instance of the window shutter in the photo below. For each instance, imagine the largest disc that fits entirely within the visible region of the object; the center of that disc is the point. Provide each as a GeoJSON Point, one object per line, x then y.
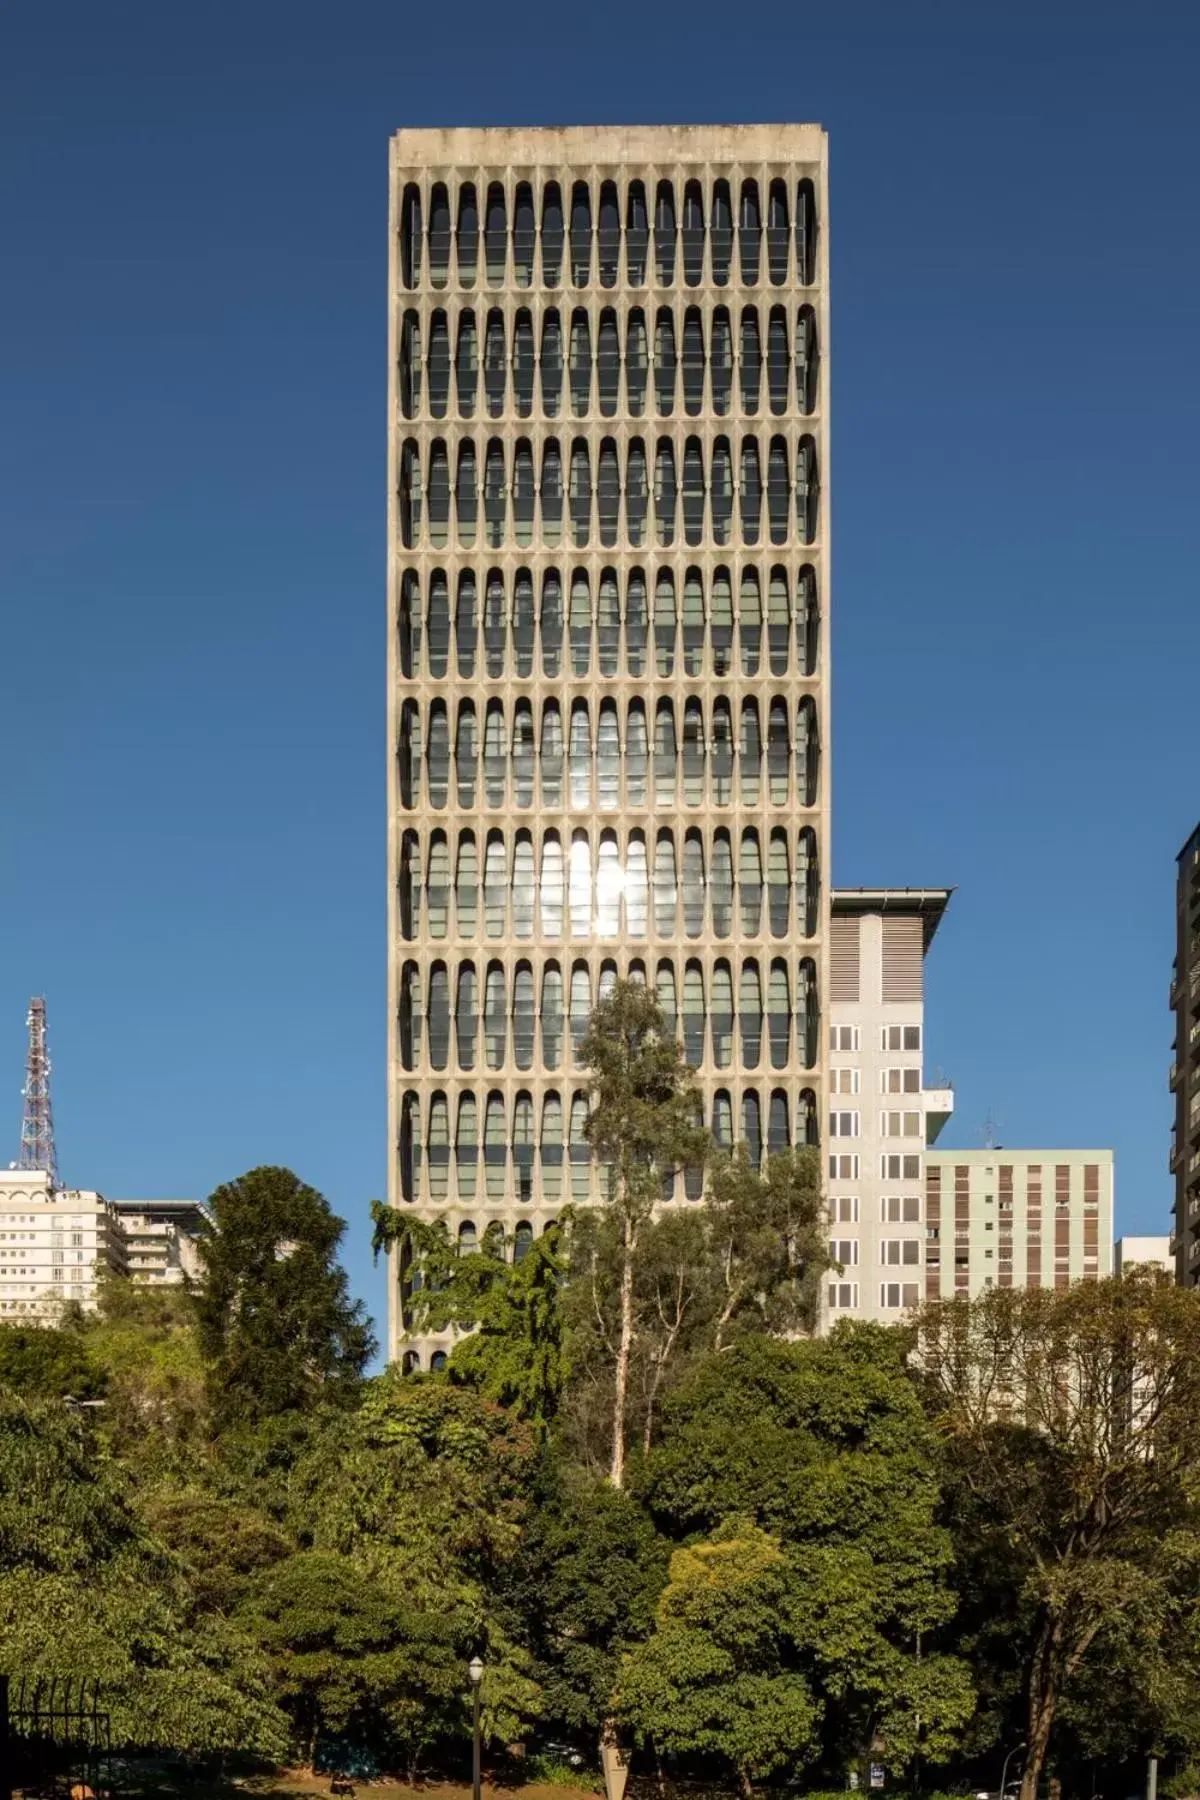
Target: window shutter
{"type": "Point", "coordinates": [843, 959]}
{"type": "Point", "coordinates": [901, 959]}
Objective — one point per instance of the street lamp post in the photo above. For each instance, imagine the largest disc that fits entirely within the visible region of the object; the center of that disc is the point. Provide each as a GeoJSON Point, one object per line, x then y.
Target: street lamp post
{"type": "Point", "coordinates": [475, 1671]}
{"type": "Point", "coordinates": [1004, 1777]}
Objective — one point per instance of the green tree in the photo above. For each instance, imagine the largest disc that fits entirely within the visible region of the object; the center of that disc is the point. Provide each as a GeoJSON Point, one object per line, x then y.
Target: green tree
{"type": "Point", "coordinates": [146, 1345]}
{"type": "Point", "coordinates": [278, 1329]}
{"type": "Point", "coordinates": [642, 1127]}
{"type": "Point", "coordinates": [824, 1445]}
{"type": "Point", "coordinates": [720, 1675]}
{"type": "Point", "coordinates": [48, 1362]}
{"type": "Point", "coordinates": [767, 1244]}
{"type": "Point", "coordinates": [1069, 1418]}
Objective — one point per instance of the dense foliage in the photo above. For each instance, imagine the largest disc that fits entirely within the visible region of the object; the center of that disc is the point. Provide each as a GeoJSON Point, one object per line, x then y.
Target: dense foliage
{"type": "Point", "coordinates": [641, 1491]}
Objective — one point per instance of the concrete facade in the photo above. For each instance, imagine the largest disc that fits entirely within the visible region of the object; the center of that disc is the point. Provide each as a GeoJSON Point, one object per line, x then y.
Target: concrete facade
{"type": "Point", "coordinates": [881, 1113]}
{"type": "Point", "coordinates": [1185, 1065]}
{"type": "Point", "coordinates": [1016, 1218]}
{"type": "Point", "coordinates": [608, 601]}
{"type": "Point", "coordinates": [53, 1246]}
{"type": "Point", "coordinates": [160, 1238]}
{"type": "Point", "coordinates": [1143, 1253]}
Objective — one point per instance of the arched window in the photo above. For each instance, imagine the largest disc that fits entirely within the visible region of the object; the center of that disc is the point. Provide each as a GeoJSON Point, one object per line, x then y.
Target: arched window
{"type": "Point", "coordinates": [693, 234]}
{"type": "Point", "coordinates": [722, 622]}
{"type": "Point", "coordinates": [722, 491]}
{"type": "Point", "coordinates": [664, 754]}
{"type": "Point", "coordinates": [409, 1147]}
{"type": "Point", "coordinates": [806, 1119]}
{"type": "Point", "coordinates": [466, 625]}
{"type": "Point", "coordinates": [608, 758]}
{"type": "Point", "coordinates": [777, 753]}
{"type": "Point", "coordinates": [552, 234]}
{"type": "Point", "coordinates": [721, 230]}
{"type": "Point", "coordinates": [524, 627]}
{"type": "Point", "coordinates": [523, 493]}
{"type": "Point", "coordinates": [409, 1015]}
{"type": "Point", "coordinates": [552, 887]}
{"type": "Point", "coordinates": [552, 1016]}
{"type": "Point", "coordinates": [722, 1120]}
{"type": "Point", "coordinates": [693, 1014]}
{"type": "Point", "coordinates": [467, 234]}
{"type": "Point", "coordinates": [552, 755]}
{"type": "Point", "coordinates": [408, 624]}
{"type": "Point", "coordinates": [722, 1015]}
{"type": "Point", "coordinates": [495, 495]}
{"type": "Point", "coordinates": [664, 885]}
{"type": "Point", "coordinates": [609, 235]}
{"type": "Point", "coordinates": [552, 1149]}
{"type": "Point", "coordinates": [664, 623]}
{"type": "Point", "coordinates": [693, 884]}
{"type": "Point", "coordinates": [608, 883]}
{"type": "Point", "coordinates": [466, 364]}
{"type": "Point", "coordinates": [778, 1137]}
{"type": "Point", "coordinates": [806, 233]}
{"type": "Point", "coordinates": [664, 234]}
{"type": "Point", "coordinates": [524, 234]}
{"type": "Point", "coordinates": [778, 1015]}
{"type": "Point", "coordinates": [806, 359]}
{"type": "Point", "coordinates": [410, 236]}
{"type": "Point", "coordinates": [636, 494]}
{"type": "Point", "coordinates": [779, 891]}
{"type": "Point", "coordinates": [664, 361]}
{"type": "Point", "coordinates": [579, 888]}
{"type": "Point", "coordinates": [495, 236]}
{"type": "Point", "coordinates": [693, 623]}
{"type": "Point", "coordinates": [777, 490]}
{"type": "Point", "coordinates": [750, 883]}
{"type": "Point", "coordinates": [466, 1148]}
{"type": "Point", "coordinates": [749, 621]}
{"type": "Point", "coordinates": [749, 232]}
{"type": "Point", "coordinates": [522, 886]}
{"type": "Point", "coordinates": [438, 628]}
{"type": "Point", "coordinates": [439, 1149]}
{"type": "Point", "coordinates": [552, 494]}
{"type": "Point", "coordinates": [778, 351]}
{"type": "Point", "coordinates": [495, 885]}
{"type": "Point", "coordinates": [581, 1008]}
{"type": "Point", "coordinates": [807, 1012]}
{"type": "Point", "coordinates": [408, 751]}
{"type": "Point", "coordinates": [750, 1015]}
{"type": "Point", "coordinates": [523, 364]}
{"type": "Point", "coordinates": [495, 759]}
{"type": "Point", "coordinates": [466, 494]}
{"type": "Point", "coordinates": [439, 495]}
{"type": "Point", "coordinates": [439, 1016]}
{"type": "Point", "coordinates": [523, 753]}
{"type": "Point", "coordinates": [608, 493]}
{"type": "Point", "coordinates": [438, 885]}
{"type": "Point", "coordinates": [523, 1015]}
{"type": "Point", "coordinates": [750, 359]}
{"type": "Point", "coordinates": [664, 987]}
{"type": "Point", "coordinates": [439, 754]}
{"type": "Point", "coordinates": [664, 492]}
{"type": "Point", "coordinates": [635, 886]}
{"type": "Point", "coordinates": [581, 756]}
{"type": "Point", "coordinates": [635, 622]}
{"type": "Point", "coordinates": [495, 1150]}
{"type": "Point", "coordinates": [581, 234]}
{"type": "Point", "coordinates": [807, 621]}
{"type": "Point", "coordinates": [807, 751]}
{"type": "Point", "coordinates": [637, 363]}
{"type": "Point", "coordinates": [808, 882]}
{"type": "Point", "coordinates": [693, 362]}
{"type": "Point", "coordinates": [551, 624]}
{"type": "Point", "coordinates": [580, 363]}
{"type": "Point", "coordinates": [720, 883]}
{"type": "Point", "coordinates": [409, 884]}
{"type": "Point", "coordinates": [438, 1363]}
{"type": "Point", "coordinates": [721, 361]}
{"type": "Point", "coordinates": [635, 755]}
{"type": "Point", "coordinates": [439, 235]}
{"type": "Point", "coordinates": [750, 495]}
{"type": "Point", "coordinates": [466, 885]}
{"type": "Point", "coordinates": [495, 1017]}
{"type": "Point", "coordinates": [722, 754]}
{"type": "Point", "coordinates": [495, 364]}
{"type": "Point", "coordinates": [551, 363]}
{"type": "Point", "coordinates": [495, 625]}
{"type": "Point", "coordinates": [522, 1153]}
{"type": "Point", "coordinates": [779, 628]}
{"type": "Point", "coordinates": [580, 1149]}
{"type": "Point", "coordinates": [750, 753]}
{"type": "Point", "coordinates": [752, 1126]}
{"type": "Point", "coordinates": [608, 363]}
{"type": "Point", "coordinates": [523, 1235]}
{"type": "Point", "coordinates": [439, 365]}
{"type": "Point", "coordinates": [693, 754]}
{"type": "Point", "coordinates": [637, 234]}
{"type": "Point", "coordinates": [581, 494]}
{"type": "Point", "coordinates": [777, 232]}
{"type": "Point", "coordinates": [410, 494]}
{"type": "Point", "coordinates": [807, 490]}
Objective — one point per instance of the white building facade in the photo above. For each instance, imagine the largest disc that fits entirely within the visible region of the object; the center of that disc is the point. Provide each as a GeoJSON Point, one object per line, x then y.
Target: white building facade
{"type": "Point", "coordinates": [53, 1247]}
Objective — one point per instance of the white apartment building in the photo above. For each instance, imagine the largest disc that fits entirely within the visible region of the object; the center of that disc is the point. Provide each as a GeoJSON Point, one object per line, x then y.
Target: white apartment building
{"type": "Point", "coordinates": [161, 1238]}
{"type": "Point", "coordinates": [1143, 1252]}
{"type": "Point", "coordinates": [1000, 1217]}
{"type": "Point", "coordinates": [53, 1245]}
{"type": "Point", "coordinates": [882, 1115]}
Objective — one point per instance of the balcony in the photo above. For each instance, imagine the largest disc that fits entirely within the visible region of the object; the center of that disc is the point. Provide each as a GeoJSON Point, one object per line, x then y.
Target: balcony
{"type": "Point", "coordinates": [939, 1104]}
{"type": "Point", "coordinates": [1175, 1159]}
{"type": "Point", "coordinates": [1173, 1077]}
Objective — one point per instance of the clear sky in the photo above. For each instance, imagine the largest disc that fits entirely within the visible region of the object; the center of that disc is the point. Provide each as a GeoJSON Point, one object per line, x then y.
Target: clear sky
{"type": "Point", "coordinates": [192, 491]}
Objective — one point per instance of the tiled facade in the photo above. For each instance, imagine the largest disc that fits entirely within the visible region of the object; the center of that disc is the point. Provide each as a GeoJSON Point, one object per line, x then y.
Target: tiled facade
{"type": "Point", "coordinates": [608, 642]}
{"type": "Point", "coordinates": [1016, 1218]}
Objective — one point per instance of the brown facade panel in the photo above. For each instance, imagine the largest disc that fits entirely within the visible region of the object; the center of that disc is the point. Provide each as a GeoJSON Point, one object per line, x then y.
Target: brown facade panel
{"type": "Point", "coordinates": [844, 937]}
{"type": "Point", "coordinates": [902, 959]}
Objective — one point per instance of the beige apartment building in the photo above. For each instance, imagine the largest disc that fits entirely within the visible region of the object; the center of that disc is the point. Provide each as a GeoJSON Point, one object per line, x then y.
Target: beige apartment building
{"type": "Point", "coordinates": [161, 1239]}
{"type": "Point", "coordinates": [1016, 1218]}
{"type": "Point", "coordinates": [54, 1244]}
{"type": "Point", "coordinates": [608, 556]}
{"type": "Point", "coordinates": [882, 1112]}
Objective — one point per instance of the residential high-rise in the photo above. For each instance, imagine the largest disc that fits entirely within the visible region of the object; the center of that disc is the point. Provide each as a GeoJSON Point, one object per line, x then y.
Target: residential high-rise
{"type": "Point", "coordinates": [54, 1245]}
{"type": "Point", "coordinates": [881, 1113]}
{"type": "Point", "coordinates": [1185, 1068]}
{"type": "Point", "coordinates": [608, 642]}
{"type": "Point", "coordinates": [1016, 1218]}
{"type": "Point", "coordinates": [160, 1237]}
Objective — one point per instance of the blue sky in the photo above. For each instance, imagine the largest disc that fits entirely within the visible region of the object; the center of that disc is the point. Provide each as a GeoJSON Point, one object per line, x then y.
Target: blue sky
{"type": "Point", "coordinates": [192, 614]}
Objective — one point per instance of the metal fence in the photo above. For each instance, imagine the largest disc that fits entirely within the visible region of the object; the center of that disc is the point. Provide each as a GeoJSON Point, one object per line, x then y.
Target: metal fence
{"type": "Point", "coordinates": [55, 1739]}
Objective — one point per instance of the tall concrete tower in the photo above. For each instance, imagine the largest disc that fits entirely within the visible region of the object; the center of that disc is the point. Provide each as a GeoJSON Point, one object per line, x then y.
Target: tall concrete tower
{"type": "Point", "coordinates": [608, 648]}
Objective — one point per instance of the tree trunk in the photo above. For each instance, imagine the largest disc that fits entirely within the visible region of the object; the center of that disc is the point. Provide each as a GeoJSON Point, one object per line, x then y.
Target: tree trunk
{"type": "Point", "coordinates": [1043, 1702]}
{"type": "Point", "coordinates": [616, 1472]}
{"type": "Point", "coordinates": [745, 1785]}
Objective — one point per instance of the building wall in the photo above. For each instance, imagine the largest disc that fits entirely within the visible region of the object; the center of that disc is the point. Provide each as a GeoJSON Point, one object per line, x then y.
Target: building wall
{"type": "Point", "coordinates": [52, 1247]}
{"type": "Point", "coordinates": [161, 1239]}
{"type": "Point", "coordinates": [1143, 1253]}
{"type": "Point", "coordinates": [1016, 1218]}
{"type": "Point", "coordinates": [544, 835]}
{"type": "Point", "coordinates": [1185, 1066]}
{"type": "Point", "coordinates": [878, 1116]}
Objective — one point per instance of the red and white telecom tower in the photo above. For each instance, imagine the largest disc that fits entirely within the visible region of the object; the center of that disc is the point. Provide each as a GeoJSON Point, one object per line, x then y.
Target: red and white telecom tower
{"type": "Point", "coordinates": [37, 1123]}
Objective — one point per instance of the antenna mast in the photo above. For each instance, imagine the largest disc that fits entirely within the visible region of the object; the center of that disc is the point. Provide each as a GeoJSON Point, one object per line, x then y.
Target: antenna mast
{"type": "Point", "coordinates": [37, 1123]}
